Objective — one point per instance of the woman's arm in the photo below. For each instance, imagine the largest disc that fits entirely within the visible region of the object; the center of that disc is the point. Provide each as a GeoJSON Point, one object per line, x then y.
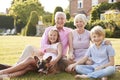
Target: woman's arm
{"type": "Point", "coordinates": [70, 52]}
{"type": "Point", "coordinates": [72, 66]}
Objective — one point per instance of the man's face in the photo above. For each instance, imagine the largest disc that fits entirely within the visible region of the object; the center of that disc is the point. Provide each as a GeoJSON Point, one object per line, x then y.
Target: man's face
{"type": "Point", "coordinates": [60, 21]}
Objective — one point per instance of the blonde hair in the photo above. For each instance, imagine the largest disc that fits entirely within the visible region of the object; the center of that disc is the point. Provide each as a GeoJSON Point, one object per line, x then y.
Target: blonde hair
{"type": "Point", "coordinates": [80, 17]}
{"type": "Point", "coordinates": [58, 36]}
{"type": "Point", "coordinates": [97, 30]}
{"type": "Point", "coordinates": [60, 13]}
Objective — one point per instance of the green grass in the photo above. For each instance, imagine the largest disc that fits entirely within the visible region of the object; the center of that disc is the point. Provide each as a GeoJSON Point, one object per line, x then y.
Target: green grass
{"type": "Point", "coordinates": [11, 48]}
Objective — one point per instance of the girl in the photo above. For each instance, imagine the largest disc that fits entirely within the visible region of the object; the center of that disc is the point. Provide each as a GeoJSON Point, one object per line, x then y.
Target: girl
{"type": "Point", "coordinates": [102, 56]}
{"type": "Point", "coordinates": [54, 50]}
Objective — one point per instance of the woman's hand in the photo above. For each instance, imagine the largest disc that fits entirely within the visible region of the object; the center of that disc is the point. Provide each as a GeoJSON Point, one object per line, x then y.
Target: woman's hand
{"type": "Point", "coordinates": [107, 42]}
{"type": "Point", "coordinates": [71, 67]}
{"type": "Point", "coordinates": [71, 57]}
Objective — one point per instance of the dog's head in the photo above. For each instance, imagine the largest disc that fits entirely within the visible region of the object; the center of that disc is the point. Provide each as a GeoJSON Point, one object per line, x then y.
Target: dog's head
{"type": "Point", "coordinates": [42, 65]}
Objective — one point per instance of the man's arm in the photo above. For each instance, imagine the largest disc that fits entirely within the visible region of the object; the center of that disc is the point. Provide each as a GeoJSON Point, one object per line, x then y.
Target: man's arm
{"type": "Point", "coordinates": [44, 39]}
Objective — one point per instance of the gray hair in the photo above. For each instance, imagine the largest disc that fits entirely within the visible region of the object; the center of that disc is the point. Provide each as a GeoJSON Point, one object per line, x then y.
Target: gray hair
{"type": "Point", "coordinates": [60, 13]}
{"type": "Point", "coordinates": [80, 17]}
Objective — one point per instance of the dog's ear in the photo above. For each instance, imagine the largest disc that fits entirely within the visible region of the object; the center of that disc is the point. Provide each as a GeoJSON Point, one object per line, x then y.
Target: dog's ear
{"type": "Point", "coordinates": [36, 58]}
{"type": "Point", "coordinates": [48, 59]}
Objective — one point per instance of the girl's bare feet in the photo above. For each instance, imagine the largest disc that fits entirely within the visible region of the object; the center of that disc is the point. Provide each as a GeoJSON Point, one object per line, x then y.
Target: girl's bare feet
{"type": "Point", "coordinates": [104, 78]}
{"type": "Point", "coordinates": [1, 72]}
{"type": "Point", "coordinates": [4, 77]}
{"type": "Point", "coordinates": [81, 76]}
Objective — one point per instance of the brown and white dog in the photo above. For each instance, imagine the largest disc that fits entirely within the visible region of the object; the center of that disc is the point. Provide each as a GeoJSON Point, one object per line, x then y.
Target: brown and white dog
{"type": "Point", "coordinates": [44, 67]}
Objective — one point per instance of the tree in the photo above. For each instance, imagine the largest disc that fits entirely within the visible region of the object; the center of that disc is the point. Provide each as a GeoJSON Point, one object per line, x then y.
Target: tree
{"type": "Point", "coordinates": [68, 16]}
{"type": "Point", "coordinates": [56, 10]}
{"type": "Point", "coordinates": [21, 9]}
{"type": "Point", "coordinates": [30, 28]}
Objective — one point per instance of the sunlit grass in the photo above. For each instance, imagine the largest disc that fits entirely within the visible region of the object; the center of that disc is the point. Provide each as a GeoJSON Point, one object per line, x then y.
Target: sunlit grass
{"type": "Point", "coordinates": [11, 48]}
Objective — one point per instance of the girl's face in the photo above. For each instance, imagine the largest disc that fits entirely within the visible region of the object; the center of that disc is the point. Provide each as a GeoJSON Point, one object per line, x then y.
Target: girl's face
{"type": "Point", "coordinates": [97, 39]}
{"type": "Point", "coordinates": [60, 21]}
{"type": "Point", "coordinates": [53, 37]}
{"type": "Point", "coordinates": [79, 24]}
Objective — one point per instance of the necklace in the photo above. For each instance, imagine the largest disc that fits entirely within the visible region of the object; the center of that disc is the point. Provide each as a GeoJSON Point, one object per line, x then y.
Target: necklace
{"type": "Point", "coordinates": [80, 34]}
{"type": "Point", "coordinates": [79, 37]}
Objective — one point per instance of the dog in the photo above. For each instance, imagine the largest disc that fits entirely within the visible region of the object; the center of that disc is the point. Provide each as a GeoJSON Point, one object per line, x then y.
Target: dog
{"type": "Point", "coordinates": [44, 67]}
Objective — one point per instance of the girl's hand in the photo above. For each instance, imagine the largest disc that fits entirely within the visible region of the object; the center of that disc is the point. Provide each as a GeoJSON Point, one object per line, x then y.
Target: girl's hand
{"type": "Point", "coordinates": [51, 50]}
{"type": "Point", "coordinates": [52, 63]}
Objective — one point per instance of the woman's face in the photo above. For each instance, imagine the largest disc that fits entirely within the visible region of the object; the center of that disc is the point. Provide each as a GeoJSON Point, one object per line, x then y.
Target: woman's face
{"type": "Point", "coordinates": [53, 36]}
{"type": "Point", "coordinates": [79, 24]}
{"type": "Point", "coordinates": [60, 21]}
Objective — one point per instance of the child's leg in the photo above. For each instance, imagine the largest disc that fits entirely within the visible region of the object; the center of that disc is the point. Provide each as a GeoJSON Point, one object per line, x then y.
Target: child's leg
{"type": "Point", "coordinates": [21, 72]}
{"type": "Point", "coordinates": [84, 69]}
{"type": "Point", "coordinates": [103, 72]}
{"type": "Point", "coordinates": [20, 66]}
{"type": "Point", "coordinates": [15, 74]}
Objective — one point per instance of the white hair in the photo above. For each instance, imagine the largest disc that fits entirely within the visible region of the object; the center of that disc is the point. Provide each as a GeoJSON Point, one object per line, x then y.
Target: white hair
{"type": "Point", "coordinates": [60, 13]}
{"type": "Point", "coordinates": [80, 17]}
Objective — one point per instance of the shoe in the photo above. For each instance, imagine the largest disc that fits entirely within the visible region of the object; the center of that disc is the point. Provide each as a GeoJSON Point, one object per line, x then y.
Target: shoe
{"type": "Point", "coordinates": [4, 66]}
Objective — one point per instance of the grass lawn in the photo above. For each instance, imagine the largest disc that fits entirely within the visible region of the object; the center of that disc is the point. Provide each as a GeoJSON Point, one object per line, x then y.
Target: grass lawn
{"type": "Point", "coordinates": [12, 46]}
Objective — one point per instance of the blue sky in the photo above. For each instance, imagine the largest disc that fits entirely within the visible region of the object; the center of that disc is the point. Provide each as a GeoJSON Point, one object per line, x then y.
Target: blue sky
{"type": "Point", "coordinates": [49, 5]}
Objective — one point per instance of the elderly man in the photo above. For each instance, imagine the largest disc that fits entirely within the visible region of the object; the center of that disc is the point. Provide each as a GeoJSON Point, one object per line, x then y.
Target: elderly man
{"type": "Point", "coordinates": [60, 19]}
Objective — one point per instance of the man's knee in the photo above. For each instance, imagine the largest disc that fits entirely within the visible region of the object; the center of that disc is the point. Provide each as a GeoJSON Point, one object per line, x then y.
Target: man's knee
{"type": "Point", "coordinates": [29, 47]}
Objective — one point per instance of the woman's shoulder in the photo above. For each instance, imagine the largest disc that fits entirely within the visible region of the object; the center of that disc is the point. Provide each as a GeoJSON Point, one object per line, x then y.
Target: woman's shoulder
{"type": "Point", "coordinates": [74, 31]}
{"type": "Point", "coordinates": [87, 31]}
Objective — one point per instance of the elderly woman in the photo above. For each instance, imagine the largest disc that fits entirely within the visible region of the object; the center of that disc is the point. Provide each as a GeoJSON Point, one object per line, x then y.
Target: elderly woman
{"type": "Point", "coordinates": [79, 38]}
{"type": "Point", "coordinates": [79, 41]}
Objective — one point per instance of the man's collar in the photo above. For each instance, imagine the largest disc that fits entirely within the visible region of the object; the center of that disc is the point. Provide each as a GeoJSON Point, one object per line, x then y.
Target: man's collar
{"type": "Point", "coordinates": [63, 29]}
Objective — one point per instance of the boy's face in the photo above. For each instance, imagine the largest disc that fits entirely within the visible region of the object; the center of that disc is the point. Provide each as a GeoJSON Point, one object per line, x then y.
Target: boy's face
{"type": "Point", "coordinates": [97, 39]}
